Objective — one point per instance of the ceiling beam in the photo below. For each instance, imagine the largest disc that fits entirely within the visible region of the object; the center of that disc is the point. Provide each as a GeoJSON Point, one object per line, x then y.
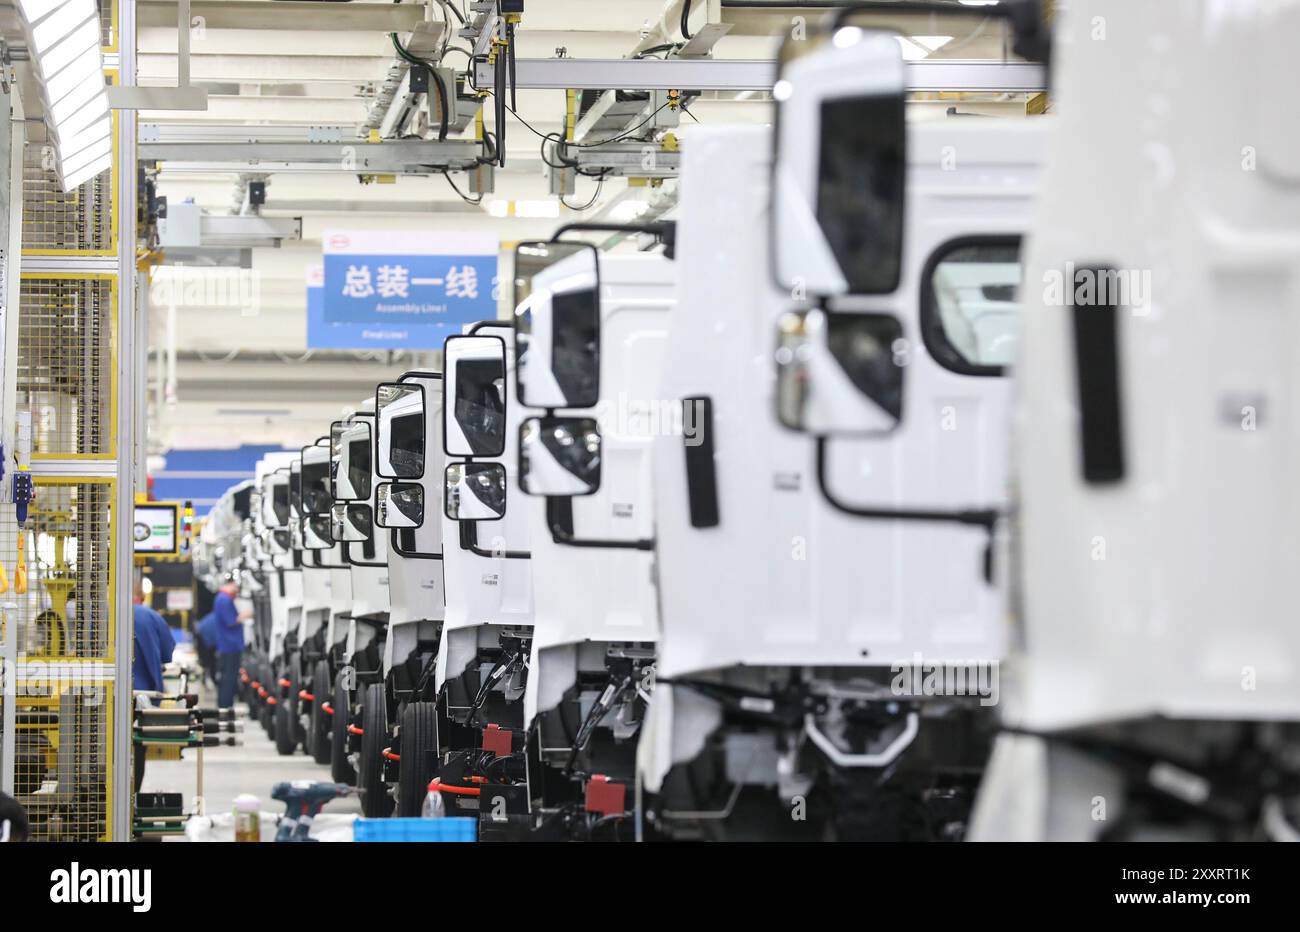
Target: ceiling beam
{"type": "Point", "coordinates": [293, 15]}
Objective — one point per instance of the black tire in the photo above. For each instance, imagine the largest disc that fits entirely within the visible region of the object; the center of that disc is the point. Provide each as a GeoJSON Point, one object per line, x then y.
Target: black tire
{"type": "Point", "coordinates": [266, 711]}
{"type": "Point", "coordinates": [320, 722]}
{"type": "Point", "coordinates": [296, 679]}
{"type": "Point", "coordinates": [285, 742]}
{"type": "Point", "coordinates": [375, 801]}
{"type": "Point", "coordinates": [419, 733]}
{"type": "Point", "coordinates": [341, 769]}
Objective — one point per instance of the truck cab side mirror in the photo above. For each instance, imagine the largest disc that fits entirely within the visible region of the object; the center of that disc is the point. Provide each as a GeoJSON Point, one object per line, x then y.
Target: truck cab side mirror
{"type": "Point", "coordinates": [275, 500]}
{"type": "Point", "coordinates": [351, 522]}
{"type": "Point", "coordinates": [474, 491]}
{"type": "Point", "coordinates": [839, 373]}
{"type": "Point", "coordinates": [839, 172]}
{"type": "Point", "coordinates": [474, 409]}
{"type": "Point", "coordinates": [559, 456]}
{"type": "Point", "coordinates": [350, 454]}
{"type": "Point", "coordinates": [317, 534]}
{"type": "Point", "coordinates": [400, 430]}
{"type": "Point", "coordinates": [399, 505]}
{"type": "Point", "coordinates": [315, 481]}
{"type": "Point", "coordinates": [557, 324]}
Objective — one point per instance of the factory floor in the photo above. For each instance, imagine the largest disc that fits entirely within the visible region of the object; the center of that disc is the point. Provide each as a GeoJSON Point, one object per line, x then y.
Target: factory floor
{"type": "Point", "coordinates": [254, 767]}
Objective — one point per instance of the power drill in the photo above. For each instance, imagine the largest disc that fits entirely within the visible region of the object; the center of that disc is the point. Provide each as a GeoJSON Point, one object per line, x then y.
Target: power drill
{"type": "Point", "coordinates": [304, 800]}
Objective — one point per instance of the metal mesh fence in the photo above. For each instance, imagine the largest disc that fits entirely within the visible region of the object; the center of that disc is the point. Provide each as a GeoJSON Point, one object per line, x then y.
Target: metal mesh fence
{"type": "Point", "coordinates": [58, 605]}
{"type": "Point", "coordinates": [108, 19]}
{"type": "Point", "coordinates": [55, 221]}
{"type": "Point", "coordinates": [65, 363]}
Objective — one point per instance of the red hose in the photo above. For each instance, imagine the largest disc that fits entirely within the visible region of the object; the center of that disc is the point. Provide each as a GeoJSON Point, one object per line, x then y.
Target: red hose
{"type": "Point", "coordinates": [436, 785]}
{"type": "Point", "coordinates": [327, 708]}
{"type": "Point", "coordinates": [354, 730]}
{"type": "Point", "coordinates": [389, 755]}
{"type": "Point", "coordinates": [271, 700]}
{"type": "Point", "coordinates": [306, 696]}
{"type": "Point", "coordinates": [286, 682]}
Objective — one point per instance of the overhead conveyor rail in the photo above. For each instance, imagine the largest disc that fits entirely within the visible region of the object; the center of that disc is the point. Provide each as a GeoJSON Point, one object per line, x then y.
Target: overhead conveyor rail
{"type": "Point", "coordinates": [749, 75]}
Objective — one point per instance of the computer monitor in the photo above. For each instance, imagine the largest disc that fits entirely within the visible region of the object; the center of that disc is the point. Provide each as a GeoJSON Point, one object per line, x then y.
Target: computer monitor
{"type": "Point", "coordinates": [156, 529]}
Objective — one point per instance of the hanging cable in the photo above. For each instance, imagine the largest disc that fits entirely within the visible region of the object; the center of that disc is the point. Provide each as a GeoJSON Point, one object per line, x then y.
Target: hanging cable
{"type": "Point", "coordinates": [463, 196]}
{"type": "Point", "coordinates": [600, 184]}
{"type": "Point", "coordinates": [587, 145]}
{"type": "Point", "coordinates": [686, 14]}
{"type": "Point", "coordinates": [510, 61]}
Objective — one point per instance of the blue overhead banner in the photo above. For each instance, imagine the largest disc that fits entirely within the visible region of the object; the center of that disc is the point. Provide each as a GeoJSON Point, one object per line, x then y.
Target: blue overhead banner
{"type": "Point", "coordinates": [321, 334]}
{"type": "Point", "coordinates": [202, 476]}
{"type": "Point", "coordinates": [421, 284]}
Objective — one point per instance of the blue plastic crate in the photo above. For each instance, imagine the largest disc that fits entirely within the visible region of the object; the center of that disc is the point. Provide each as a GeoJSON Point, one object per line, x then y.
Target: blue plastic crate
{"type": "Point", "coordinates": [449, 829]}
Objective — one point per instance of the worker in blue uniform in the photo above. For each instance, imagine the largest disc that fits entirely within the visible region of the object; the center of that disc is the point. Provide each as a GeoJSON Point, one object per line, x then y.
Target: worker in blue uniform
{"type": "Point", "coordinates": [230, 641]}
{"type": "Point", "coordinates": [205, 642]}
{"type": "Point", "coordinates": [153, 648]}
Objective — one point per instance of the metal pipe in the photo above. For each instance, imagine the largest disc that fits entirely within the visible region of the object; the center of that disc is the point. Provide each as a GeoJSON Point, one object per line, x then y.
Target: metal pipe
{"type": "Point", "coordinates": [880, 759]}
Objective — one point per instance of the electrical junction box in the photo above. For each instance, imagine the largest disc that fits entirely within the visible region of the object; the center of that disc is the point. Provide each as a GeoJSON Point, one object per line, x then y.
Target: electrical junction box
{"type": "Point", "coordinates": [182, 227]}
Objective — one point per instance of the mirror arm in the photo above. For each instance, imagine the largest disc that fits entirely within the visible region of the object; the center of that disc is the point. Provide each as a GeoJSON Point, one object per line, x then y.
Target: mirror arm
{"type": "Point", "coordinates": [559, 518]}
{"type": "Point", "coordinates": [976, 517]}
{"type": "Point", "coordinates": [663, 230]}
{"type": "Point", "coordinates": [347, 556]}
{"type": "Point", "coordinates": [469, 541]}
{"type": "Point", "coordinates": [396, 548]}
{"type": "Point", "coordinates": [318, 565]}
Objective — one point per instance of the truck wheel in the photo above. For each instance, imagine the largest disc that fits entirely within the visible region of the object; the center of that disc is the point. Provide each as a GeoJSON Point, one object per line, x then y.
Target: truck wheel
{"type": "Point", "coordinates": [320, 724]}
{"type": "Point", "coordinates": [375, 801]}
{"type": "Point", "coordinates": [417, 766]}
{"type": "Point", "coordinates": [341, 769]}
{"type": "Point", "coordinates": [285, 740]}
{"type": "Point", "coordinates": [295, 707]}
{"type": "Point", "coordinates": [267, 713]}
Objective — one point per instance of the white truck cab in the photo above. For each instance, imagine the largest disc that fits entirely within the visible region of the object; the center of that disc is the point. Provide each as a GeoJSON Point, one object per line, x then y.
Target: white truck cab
{"type": "Point", "coordinates": [1153, 683]}
{"type": "Point", "coordinates": [486, 649]}
{"type": "Point", "coordinates": [589, 340]}
{"type": "Point", "coordinates": [857, 567]}
{"type": "Point", "coordinates": [393, 681]}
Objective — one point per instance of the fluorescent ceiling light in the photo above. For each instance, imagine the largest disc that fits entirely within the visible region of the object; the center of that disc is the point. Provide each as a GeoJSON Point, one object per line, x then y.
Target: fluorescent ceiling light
{"type": "Point", "coordinates": [916, 48]}
{"type": "Point", "coordinates": [60, 23]}
{"type": "Point", "coordinates": [74, 143]}
{"type": "Point", "coordinates": [85, 36]}
{"type": "Point", "coordinates": [627, 211]}
{"type": "Point", "coordinates": [35, 9]}
{"type": "Point", "coordinates": [546, 208]}
{"type": "Point", "coordinates": [84, 68]}
{"type": "Point", "coordinates": [63, 39]}
{"type": "Point", "coordinates": [87, 155]}
{"type": "Point", "coordinates": [81, 95]}
{"type": "Point", "coordinates": [77, 179]}
{"type": "Point", "coordinates": [88, 114]}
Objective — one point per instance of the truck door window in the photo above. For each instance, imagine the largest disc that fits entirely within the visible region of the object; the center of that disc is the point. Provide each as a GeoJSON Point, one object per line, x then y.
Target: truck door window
{"type": "Point", "coordinates": [970, 308]}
